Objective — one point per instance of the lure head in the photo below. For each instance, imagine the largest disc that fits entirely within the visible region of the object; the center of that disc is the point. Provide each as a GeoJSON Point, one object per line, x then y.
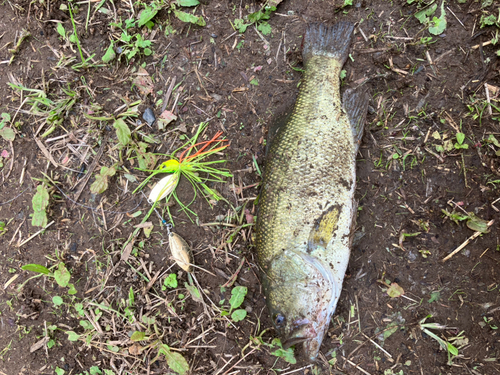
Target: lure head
{"type": "Point", "coordinates": [171, 166]}
{"type": "Point", "coordinates": [301, 296]}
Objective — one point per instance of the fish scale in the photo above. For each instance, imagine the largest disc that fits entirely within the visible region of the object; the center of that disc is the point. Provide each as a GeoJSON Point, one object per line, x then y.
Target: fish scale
{"type": "Point", "coordinates": [306, 206]}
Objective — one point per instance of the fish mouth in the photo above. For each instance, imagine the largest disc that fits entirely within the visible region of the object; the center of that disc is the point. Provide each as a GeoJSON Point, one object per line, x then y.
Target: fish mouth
{"type": "Point", "coordinates": [303, 332]}
{"type": "Point", "coordinates": [293, 341]}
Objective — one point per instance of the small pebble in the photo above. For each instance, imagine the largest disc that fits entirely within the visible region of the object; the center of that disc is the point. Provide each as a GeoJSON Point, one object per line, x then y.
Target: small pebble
{"type": "Point", "coordinates": [149, 116]}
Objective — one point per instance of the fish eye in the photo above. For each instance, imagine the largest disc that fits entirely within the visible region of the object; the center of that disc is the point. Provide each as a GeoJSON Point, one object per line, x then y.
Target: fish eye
{"type": "Point", "coordinates": [279, 320]}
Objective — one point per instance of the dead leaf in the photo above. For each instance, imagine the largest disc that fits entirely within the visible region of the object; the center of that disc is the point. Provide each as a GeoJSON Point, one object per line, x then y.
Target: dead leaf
{"type": "Point", "coordinates": [248, 216]}
{"type": "Point", "coordinates": [147, 224]}
{"type": "Point", "coordinates": [127, 251]}
{"type": "Point", "coordinates": [143, 82]}
{"type": "Point", "coordinates": [135, 349]}
{"type": "Point", "coordinates": [395, 291]}
{"type": "Point", "coordinates": [165, 118]}
{"type": "Point", "coordinates": [39, 344]}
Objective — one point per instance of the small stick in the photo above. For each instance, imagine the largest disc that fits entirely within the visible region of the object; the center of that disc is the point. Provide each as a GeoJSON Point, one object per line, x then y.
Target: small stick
{"type": "Point", "coordinates": [434, 154]}
{"type": "Point", "coordinates": [454, 15]}
{"type": "Point", "coordinates": [36, 234]}
{"type": "Point", "coordinates": [378, 346]}
{"type": "Point", "coordinates": [104, 217]}
{"type": "Point", "coordinates": [246, 355]}
{"type": "Point", "coordinates": [166, 99]}
{"type": "Point", "coordinates": [297, 370]}
{"type": "Point", "coordinates": [229, 36]}
{"type": "Point", "coordinates": [364, 36]}
{"type": "Point", "coordinates": [356, 366]}
{"type": "Point", "coordinates": [479, 45]}
{"type": "Point", "coordinates": [467, 241]}
{"type": "Point", "coordinates": [12, 156]}
{"type": "Point", "coordinates": [490, 112]}
{"type": "Point", "coordinates": [46, 152]}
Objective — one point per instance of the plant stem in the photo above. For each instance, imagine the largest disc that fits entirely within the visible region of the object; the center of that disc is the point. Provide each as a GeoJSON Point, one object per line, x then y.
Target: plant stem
{"type": "Point", "coordinates": [84, 63]}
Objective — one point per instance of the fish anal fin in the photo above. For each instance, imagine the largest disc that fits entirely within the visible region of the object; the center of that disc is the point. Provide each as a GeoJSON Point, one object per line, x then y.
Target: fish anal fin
{"type": "Point", "coordinates": [355, 103]}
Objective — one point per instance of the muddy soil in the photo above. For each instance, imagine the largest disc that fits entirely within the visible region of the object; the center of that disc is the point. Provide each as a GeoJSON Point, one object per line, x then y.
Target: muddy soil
{"type": "Point", "coordinates": [412, 166]}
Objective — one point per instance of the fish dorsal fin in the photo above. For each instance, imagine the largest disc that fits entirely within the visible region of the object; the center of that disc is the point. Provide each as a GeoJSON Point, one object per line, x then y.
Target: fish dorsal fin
{"type": "Point", "coordinates": [323, 229]}
{"type": "Point", "coordinates": [355, 103]}
{"type": "Point", "coordinates": [278, 123]}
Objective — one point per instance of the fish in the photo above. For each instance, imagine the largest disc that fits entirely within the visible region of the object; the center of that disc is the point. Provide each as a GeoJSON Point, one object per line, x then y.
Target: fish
{"type": "Point", "coordinates": [306, 206]}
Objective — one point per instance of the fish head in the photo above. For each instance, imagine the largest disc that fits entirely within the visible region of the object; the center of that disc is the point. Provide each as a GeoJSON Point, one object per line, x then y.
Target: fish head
{"type": "Point", "coordinates": [301, 296]}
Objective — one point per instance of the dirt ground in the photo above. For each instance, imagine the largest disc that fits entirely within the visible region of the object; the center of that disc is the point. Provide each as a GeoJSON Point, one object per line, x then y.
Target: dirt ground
{"type": "Point", "coordinates": [428, 167]}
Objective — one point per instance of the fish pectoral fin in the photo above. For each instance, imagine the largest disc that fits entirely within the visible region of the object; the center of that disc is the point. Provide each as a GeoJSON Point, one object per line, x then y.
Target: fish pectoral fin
{"type": "Point", "coordinates": [355, 103]}
{"type": "Point", "coordinates": [323, 231]}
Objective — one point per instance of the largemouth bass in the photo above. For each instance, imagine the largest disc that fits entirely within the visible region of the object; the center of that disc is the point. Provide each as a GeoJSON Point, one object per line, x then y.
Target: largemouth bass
{"type": "Point", "coordinates": [306, 206]}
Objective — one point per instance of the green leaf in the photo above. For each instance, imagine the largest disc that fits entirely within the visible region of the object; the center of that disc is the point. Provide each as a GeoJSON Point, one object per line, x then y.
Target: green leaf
{"type": "Point", "coordinates": [39, 202]}
{"type": "Point", "coordinates": [453, 351]}
{"type": "Point", "coordinates": [73, 39]}
{"type": "Point", "coordinates": [138, 336]}
{"type": "Point", "coordinates": [94, 370]}
{"type": "Point", "coordinates": [187, 3]}
{"type": "Point", "coordinates": [264, 28]}
{"type": "Point", "coordinates": [263, 14]}
{"type": "Point", "coordinates": [238, 315]}
{"type": "Point", "coordinates": [131, 297]}
{"type": "Point", "coordinates": [195, 293]}
{"type": "Point", "coordinates": [58, 301]}
{"type": "Point", "coordinates": [100, 185]}
{"type": "Point", "coordinates": [60, 29]}
{"type": "Point", "coordinates": [146, 15]}
{"type": "Point", "coordinates": [423, 15]}
{"type": "Point", "coordinates": [7, 134]}
{"type": "Point", "coordinates": [237, 296]}
{"type": "Point", "coordinates": [36, 268]}
{"type": "Point", "coordinates": [460, 138]}
{"type": "Point", "coordinates": [434, 296]}
{"type": "Point", "coordinates": [287, 355]}
{"type": "Point", "coordinates": [349, 2]}
{"type": "Point", "coordinates": [477, 224]}
{"type": "Point", "coordinates": [190, 18]}
{"type": "Point", "coordinates": [240, 25]}
{"type": "Point", "coordinates": [176, 361]}
{"type": "Point", "coordinates": [488, 20]}
{"type": "Point", "coordinates": [492, 139]}
{"type": "Point", "coordinates": [62, 275]}
{"type": "Point", "coordinates": [438, 25]}
{"type": "Point", "coordinates": [171, 281]}
{"type": "Point", "coordinates": [72, 336]}
{"type": "Point", "coordinates": [254, 82]}
{"type": "Point", "coordinates": [59, 371]}
{"type": "Point", "coordinates": [72, 290]}
{"type": "Point", "coordinates": [110, 54]}
{"type": "Point", "coordinates": [86, 325]}
{"type": "Point", "coordinates": [122, 132]}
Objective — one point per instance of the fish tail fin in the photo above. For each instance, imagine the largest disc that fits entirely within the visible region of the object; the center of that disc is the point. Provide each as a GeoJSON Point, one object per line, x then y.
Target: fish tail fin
{"type": "Point", "coordinates": [355, 103]}
{"type": "Point", "coordinates": [331, 41]}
